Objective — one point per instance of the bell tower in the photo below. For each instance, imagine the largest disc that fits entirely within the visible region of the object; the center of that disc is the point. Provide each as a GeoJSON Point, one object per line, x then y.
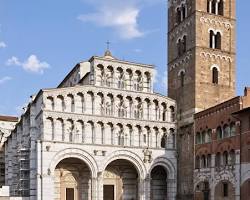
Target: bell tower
{"type": "Point", "coordinates": [201, 68]}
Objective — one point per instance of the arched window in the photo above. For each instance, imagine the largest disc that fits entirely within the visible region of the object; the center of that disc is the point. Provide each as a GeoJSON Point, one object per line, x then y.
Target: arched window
{"type": "Point", "coordinates": [198, 138]}
{"type": "Point", "coordinates": [184, 11]}
{"type": "Point", "coordinates": [184, 44]}
{"type": "Point", "coordinates": [163, 141]}
{"type": "Point", "coordinates": [60, 103]}
{"type": "Point", "coordinates": [71, 103]}
{"type": "Point", "coordinates": [156, 110]}
{"type": "Point", "coordinates": [203, 161]}
{"type": "Point", "coordinates": [225, 158]}
{"type": "Point", "coordinates": [109, 104]}
{"type": "Point", "coordinates": [197, 162]}
{"type": "Point", "coordinates": [221, 8]}
{"type": "Point", "coordinates": [209, 4]}
{"type": "Point", "coordinates": [138, 82]}
{"type": "Point", "coordinates": [172, 113]}
{"type": "Point", "coordinates": [232, 129]}
{"type": "Point", "coordinates": [164, 111]}
{"type": "Point", "coordinates": [218, 41]}
{"type": "Point", "coordinates": [50, 128]}
{"type": "Point", "coordinates": [178, 15]}
{"type": "Point", "coordinates": [138, 110]}
{"type": "Point", "coordinates": [219, 133]}
{"type": "Point", "coordinates": [129, 79]}
{"type": "Point", "coordinates": [100, 76]}
{"type": "Point", "coordinates": [120, 135]}
{"type": "Point", "coordinates": [50, 103]}
{"type": "Point", "coordinates": [121, 78]}
{"type": "Point", "coordinates": [211, 39]}
{"type": "Point", "coordinates": [109, 76]}
{"type": "Point", "coordinates": [213, 9]}
{"type": "Point", "coordinates": [226, 131]}
{"type": "Point", "coordinates": [182, 78]}
{"type": "Point", "coordinates": [147, 81]}
{"type": "Point", "coordinates": [232, 157]}
{"type": "Point", "coordinates": [121, 107]}
{"type": "Point", "coordinates": [208, 136]}
{"type": "Point", "coordinates": [59, 129]}
{"type": "Point", "coordinates": [79, 135]}
{"type": "Point", "coordinates": [215, 75]}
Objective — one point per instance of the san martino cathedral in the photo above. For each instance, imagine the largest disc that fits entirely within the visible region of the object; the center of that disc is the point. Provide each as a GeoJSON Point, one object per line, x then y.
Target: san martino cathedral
{"type": "Point", "coordinates": [104, 134]}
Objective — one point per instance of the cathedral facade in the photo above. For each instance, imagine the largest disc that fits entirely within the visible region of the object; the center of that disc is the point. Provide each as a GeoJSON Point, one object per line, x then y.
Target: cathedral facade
{"type": "Point", "coordinates": [101, 134]}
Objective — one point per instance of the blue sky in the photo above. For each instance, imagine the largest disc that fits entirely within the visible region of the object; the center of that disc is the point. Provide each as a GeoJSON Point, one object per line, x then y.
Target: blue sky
{"type": "Point", "coordinates": [40, 41]}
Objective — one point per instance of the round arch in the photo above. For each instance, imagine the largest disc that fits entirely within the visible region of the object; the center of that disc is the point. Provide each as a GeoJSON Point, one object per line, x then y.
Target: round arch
{"type": "Point", "coordinates": [129, 156]}
{"type": "Point", "coordinates": [167, 165]}
{"type": "Point", "coordinates": [75, 153]}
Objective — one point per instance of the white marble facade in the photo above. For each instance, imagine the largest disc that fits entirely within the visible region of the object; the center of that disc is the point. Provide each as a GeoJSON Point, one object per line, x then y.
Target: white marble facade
{"type": "Point", "coordinates": [101, 134]}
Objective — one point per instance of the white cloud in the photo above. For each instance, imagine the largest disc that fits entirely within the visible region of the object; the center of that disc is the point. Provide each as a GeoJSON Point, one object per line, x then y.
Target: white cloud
{"type": "Point", "coordinates": [2, 44]}
{"type": "Point", "coordinates": [120, 15]}
{"type": "Point", "coordinates": [13, 61]}
{"type": "Point", "coordinates": [32, 64]}
{"type": "Point", "coordinates": [5, 79]}
{"type": "Point", "coordinates": [123, 21]}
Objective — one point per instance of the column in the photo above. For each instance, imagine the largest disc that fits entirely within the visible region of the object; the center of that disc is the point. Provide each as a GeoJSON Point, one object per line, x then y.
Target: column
{"type": "Point", "coordinates": [172, 188]}
{"type": "Point", "coordinates": [211, 184]}
{"type": "Point", "coordinates": [99, 186]}
{"type": "Point", "coordinates": [217, 7]}
{"type": "Point", "coordinates": [94, 190]}
{"type": "Point", "coordinates": [147, 187]}
{"type": "Point", "coordinates": [213, 41]}
{"type": "Point", "coordinates": [210, 6]}
{"type": "Point", "coordinates": [237, 173]}
{"type": "Point", "coordinates": [141, 189]}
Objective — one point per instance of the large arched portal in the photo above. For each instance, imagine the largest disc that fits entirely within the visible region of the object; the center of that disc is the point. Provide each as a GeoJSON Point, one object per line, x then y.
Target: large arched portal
{"type": "Point", "coordinates": [120, 181]}
{"type": "Point", "coordinates": [72, 180]}
{"type": "Point", "coordinates": [158, 184]}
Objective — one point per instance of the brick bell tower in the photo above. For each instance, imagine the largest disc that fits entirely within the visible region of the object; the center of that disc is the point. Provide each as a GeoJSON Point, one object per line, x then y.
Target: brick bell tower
{"type": "Point", "coordinates": [201, 69]}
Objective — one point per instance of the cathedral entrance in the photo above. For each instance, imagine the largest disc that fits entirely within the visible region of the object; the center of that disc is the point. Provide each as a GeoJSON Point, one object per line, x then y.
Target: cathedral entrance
{"type": "Point", "coordinates": [70, 193]}
{"type": "Point", "coordinates": [108, 192]}
{"type": "Point", "coordinates": [72, 180]}
{"type": "Point", "coordinates": [158, 184]}
{"type": "Point", "coordinates": [120, 181]}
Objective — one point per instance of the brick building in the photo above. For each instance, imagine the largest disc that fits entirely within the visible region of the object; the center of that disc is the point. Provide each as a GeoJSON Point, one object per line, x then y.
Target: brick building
{"type": "Point", "coordinates": [218, 154]}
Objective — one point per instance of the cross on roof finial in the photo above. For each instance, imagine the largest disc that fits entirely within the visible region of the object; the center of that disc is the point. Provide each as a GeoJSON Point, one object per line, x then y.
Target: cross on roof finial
{"type": "Point", "coordinates": [108, 44]}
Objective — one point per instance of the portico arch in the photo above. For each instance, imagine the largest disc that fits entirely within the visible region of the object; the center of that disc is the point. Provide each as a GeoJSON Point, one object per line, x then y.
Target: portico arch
{"type": "Point", "coordinates": [129, 156]}
{"type": "Point", "coordinates": [80, 155]}
{"type": "Point", "coordinates": [74, 153]}
{"type": "Point", "coordinates": [121, 181]}
{"type": "Point", "coordinates": [162, 176]}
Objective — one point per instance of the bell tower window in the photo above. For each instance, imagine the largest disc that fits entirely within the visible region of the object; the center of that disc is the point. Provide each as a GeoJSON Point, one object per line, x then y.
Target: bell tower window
{"type": "Point", "coordinates": [182, 78]}
{"type": "Point", "coordinates": [214, 40]}
{"type": "Point", "coordinates": [215, 7]}
{"type": "Point", "coordinates": [215, 78]}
